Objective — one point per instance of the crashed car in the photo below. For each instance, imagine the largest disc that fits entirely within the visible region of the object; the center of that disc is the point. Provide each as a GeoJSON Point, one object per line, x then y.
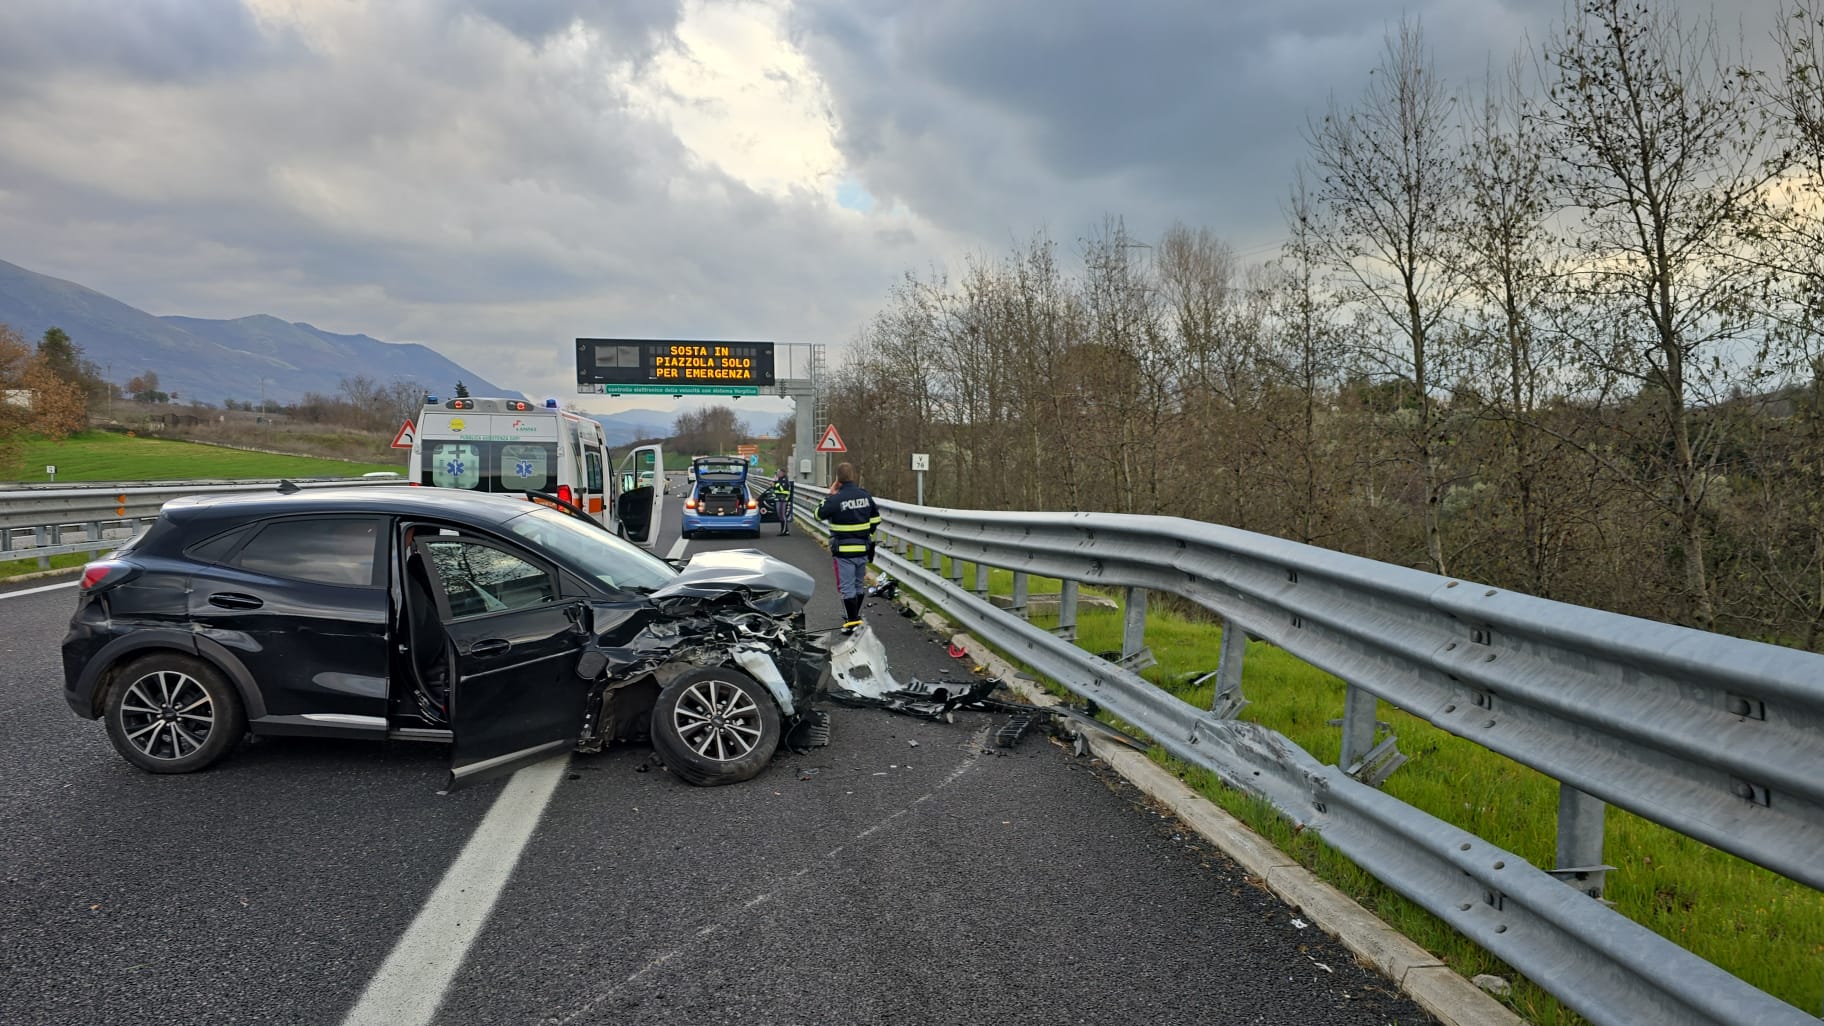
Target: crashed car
{"type": "Point", "coordinates": [505, 628]}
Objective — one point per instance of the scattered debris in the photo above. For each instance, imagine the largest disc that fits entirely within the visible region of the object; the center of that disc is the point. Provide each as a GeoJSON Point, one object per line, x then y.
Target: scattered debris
{"type": "Point", "coordinates": [1299, 924]}
{"type": "Point", "coordinates": [1013, 731]}
{"type": "Point", "coordinates": [913, 744]}
{"type": "Point", "coordinates": [1492, 984]}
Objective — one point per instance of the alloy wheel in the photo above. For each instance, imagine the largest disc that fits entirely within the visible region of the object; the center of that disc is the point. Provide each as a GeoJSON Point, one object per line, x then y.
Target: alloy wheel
{"type": "Point", "coordinates": [717, 720]}
{"type": "Point", "coordinates": [167, 714]}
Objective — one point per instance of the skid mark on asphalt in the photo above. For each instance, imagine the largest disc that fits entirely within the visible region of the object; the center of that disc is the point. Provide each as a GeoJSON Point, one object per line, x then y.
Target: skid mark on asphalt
{"type": "Point", "coordinates": [411, 983]}
{"type": "Point", "coordinates": [780, 886]}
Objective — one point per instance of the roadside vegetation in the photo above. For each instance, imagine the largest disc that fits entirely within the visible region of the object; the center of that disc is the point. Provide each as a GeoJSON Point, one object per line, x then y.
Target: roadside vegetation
{"type": "Point", "coordinates": [1756, 924]}
{"type": "Point", "coordinates": [1558, 331]}
{"type": "Point", "coordinates": [109, 456]}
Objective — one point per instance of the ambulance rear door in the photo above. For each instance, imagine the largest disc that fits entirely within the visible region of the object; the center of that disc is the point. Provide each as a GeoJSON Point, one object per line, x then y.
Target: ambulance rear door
{"type": "Point", "coordinates": [639, 501]}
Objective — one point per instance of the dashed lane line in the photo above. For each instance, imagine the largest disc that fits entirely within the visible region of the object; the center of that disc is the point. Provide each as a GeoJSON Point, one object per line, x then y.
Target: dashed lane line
{"type": "Point", "coordinates": [677, 548]}
{"type": "Point", "coordinates": [411, 983]}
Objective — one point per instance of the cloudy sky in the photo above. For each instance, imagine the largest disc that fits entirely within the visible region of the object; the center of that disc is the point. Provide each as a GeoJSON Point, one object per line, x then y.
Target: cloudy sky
{"type": "Point", "coordinates": [496, 177]}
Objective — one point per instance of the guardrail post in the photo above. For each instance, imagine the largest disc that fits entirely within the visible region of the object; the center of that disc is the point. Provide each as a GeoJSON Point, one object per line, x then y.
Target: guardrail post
{"type": "Point", "coordinates": [1359, 707]}
{"type": "Point", "coordinates": [1228, 700]}
{"type": "Point", "coordinates": [981, 580]}
{"type": "Point", "coordinates": [1580, 826]}
{"type": "Point", "coordinates": [42, 537]}
{"type": "Point", "coordinates": [934, 560]}
{"type": "Point", "coordinates": [956, 572]}
{"type": "Point", "coordinates": [1021, 583]}
{"type": "Point", "coordinates": [1067, 611]}
{"type": "Point", "coordinates": [1134, 654]}
{"type": "Point", "coordinates": [93, 529]}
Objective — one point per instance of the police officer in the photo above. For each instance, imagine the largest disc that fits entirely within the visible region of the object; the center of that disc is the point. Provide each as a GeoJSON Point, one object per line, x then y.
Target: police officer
{"type": "Point", "coordinates": [782, 500]}
{"type": "Point", "coordinates": [852, 515]}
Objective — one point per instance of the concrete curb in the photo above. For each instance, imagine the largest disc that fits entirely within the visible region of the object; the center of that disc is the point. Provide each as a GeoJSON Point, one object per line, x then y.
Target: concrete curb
{"type": "Point", "coordinates": [1420, 975]}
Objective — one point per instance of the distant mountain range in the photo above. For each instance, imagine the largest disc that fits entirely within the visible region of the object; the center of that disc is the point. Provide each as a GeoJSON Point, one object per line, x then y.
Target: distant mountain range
{"type": "Point", "coordinates": [215, 360]}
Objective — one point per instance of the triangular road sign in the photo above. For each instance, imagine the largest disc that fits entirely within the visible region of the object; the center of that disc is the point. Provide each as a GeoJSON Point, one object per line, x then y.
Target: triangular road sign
{"type": "Point", "coordinates": [832, 442]}
{"type": "Point", "coordinates": [403, 440]}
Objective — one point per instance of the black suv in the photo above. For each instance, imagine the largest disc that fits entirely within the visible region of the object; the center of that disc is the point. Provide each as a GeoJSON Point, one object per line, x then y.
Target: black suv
{"type": "Point", "coordinates": [508, 628]}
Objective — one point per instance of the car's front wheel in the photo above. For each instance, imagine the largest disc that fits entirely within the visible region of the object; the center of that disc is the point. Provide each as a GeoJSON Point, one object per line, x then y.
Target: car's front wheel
{"type": "Point", "coordinates": [715, 726]}
{"type": "Point", "coordinates": [172, 713]}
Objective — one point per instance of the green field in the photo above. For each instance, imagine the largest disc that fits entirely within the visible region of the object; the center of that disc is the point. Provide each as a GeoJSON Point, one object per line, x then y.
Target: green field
{"type": "Point", "coordinates": [105, 456]}
{"type": "Point", "coordinates": [1762, 927]}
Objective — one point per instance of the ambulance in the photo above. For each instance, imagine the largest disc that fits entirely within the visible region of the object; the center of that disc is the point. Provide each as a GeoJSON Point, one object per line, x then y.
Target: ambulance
{"type": "Point", "coordinates": [514, 446]}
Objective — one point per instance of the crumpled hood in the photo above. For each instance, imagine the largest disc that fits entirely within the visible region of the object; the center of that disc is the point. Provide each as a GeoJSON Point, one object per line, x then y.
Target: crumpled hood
{"type": "Point", "coordinates": [770, 584]}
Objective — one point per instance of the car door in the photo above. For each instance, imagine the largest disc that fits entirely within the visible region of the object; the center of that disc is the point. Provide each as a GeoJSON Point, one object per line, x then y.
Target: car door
{"type": "Point", "coordinates": [639, 509]}
{"type": "Point", "coordinates": [300, 601]}
{"type": "Point", "coordinates": [516, 638]}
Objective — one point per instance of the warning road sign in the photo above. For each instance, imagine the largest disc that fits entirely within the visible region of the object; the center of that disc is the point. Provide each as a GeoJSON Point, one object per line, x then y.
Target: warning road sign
{"type": "Point", "coordinates": [403, 440]}
{"type": "Point", "coordinates": [831, 442]}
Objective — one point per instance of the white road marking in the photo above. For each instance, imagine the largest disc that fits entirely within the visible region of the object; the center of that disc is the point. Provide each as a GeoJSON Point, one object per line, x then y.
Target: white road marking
{"type": "Point", "coordinates": [677, 549]}
{"type": "Point", "coordinates": [411, 983]}
{"type": "Point", "coordinates": [38, 591]}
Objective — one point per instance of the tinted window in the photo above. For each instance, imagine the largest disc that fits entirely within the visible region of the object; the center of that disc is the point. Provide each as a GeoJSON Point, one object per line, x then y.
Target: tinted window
{"type": "Point", "coordinates": [218, 548]}
{"type": "Point", "coordinates": [326, 550]}
{"type": "Point", "coordinates": [479, 578]}
{"type": "Point", "coordinates": [593, 463]}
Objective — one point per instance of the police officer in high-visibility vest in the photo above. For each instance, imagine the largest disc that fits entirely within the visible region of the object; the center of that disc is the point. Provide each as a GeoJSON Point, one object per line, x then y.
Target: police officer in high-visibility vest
{"type": "Point", "coordinates": [782, 501]}
{"type": "Point", "coordinates": [852, 515]}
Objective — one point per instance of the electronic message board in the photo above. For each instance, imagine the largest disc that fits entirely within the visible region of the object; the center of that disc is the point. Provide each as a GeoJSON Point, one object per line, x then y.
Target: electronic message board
{"type": "Point", "coordinates": [633, 365]}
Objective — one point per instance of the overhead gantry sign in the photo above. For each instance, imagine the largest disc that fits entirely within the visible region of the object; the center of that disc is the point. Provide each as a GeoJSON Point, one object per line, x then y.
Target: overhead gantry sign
{"type": "Point", "coordinates": [614, 366]}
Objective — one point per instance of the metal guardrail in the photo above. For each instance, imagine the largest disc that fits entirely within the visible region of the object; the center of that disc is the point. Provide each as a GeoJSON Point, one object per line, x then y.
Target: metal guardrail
{"type": "Point", "coordinates": [1714, 737]}
{"type": "Point", "coordinates": [37, 520]}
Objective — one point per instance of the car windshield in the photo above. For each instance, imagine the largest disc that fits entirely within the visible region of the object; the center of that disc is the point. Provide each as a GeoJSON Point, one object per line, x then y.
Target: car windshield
{"type": "Point", "coordinates": [608, 559]}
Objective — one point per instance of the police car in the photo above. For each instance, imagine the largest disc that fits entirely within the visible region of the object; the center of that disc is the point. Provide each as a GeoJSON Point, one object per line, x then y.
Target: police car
{"type": "Point", "coordinates": [719, 500]}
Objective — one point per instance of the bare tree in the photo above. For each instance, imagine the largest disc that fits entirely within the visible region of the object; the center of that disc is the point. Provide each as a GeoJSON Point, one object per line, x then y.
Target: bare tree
{"type": "Point", "coordinates": [1663, 153]}
{"type": "Point", "coordinates": [1301, 365]}
{"type": "Point", "coordinates": [1512, 265]}
{"type": "Point", "coordinates": [1389, 182]}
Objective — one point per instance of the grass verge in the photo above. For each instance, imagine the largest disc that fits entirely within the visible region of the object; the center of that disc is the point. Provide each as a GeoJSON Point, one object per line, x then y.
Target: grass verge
{"type": "Point", "coordinates": [106, 456]}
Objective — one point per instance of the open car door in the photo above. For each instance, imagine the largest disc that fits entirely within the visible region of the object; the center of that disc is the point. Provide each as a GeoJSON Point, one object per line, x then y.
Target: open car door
{"type": "Point", "coordinates": [514, 642]}
{"type": "Point", "coordinates": [640, 506]}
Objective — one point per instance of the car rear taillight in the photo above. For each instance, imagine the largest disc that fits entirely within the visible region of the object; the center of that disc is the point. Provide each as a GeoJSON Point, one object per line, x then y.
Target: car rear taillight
{"type": "Point", "coordinates": [690, 503]}
{"type": "Point", "coordinates": [751, 504]}
{"type": "Point", "coordinates": [564, 494]}
{"type": "Point", "coordinates": [104, 574]}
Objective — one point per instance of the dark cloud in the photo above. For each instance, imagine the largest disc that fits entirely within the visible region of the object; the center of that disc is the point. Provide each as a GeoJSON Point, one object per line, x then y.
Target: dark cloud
{"type": "Point", "coordinates": [494, 177]}
{"type": "Point", "coordinates": [627, 27]}
{"type": "Point", "coordinates": [157, 40]}
{"type": "Point", "coordinates": [1001, 118]}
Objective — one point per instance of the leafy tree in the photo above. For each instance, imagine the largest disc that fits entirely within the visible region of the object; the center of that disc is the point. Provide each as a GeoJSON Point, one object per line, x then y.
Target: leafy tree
{"type": "Point", "coordinates": [462, 390]}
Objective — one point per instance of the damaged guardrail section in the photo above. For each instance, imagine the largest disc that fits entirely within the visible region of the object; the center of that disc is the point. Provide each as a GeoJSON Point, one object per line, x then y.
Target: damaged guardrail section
{"type": "Point", "coordinates": [1711, 736]}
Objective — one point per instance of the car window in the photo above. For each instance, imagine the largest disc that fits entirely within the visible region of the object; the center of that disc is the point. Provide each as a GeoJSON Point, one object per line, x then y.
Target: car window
{"type": "Point", "coordinates": [592, 464]}
{"type": "Point", "coordinates": [324, 550]}
{"type": "Point", "coordinates": [478, 578]}
{"type": "Point", "coordinates": [218, 548]}
{"type": "Point", "coordinates": [590, 550]}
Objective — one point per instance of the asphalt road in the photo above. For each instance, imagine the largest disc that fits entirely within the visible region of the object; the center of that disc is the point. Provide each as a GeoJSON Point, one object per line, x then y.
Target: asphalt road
{"type": "Point", "coordinates": [908, 873]}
